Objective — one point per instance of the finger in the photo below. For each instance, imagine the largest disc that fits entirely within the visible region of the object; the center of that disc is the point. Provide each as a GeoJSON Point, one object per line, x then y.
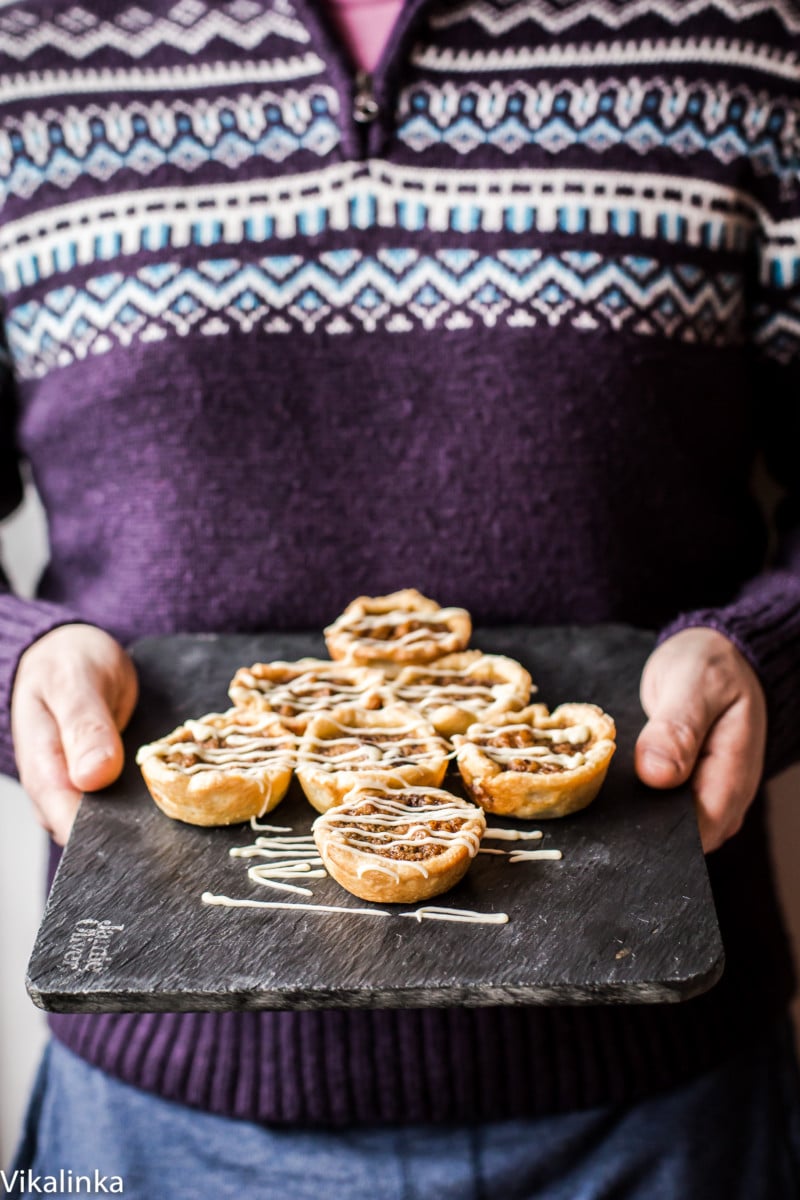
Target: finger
{"type": "Point", "coordinates": [89, 736]}
{"type": "Point", "coordinates": [43, 768]}
{"type": "Point", "coordinates": [126, 693]}
{"type": "Point", "coordinates": [728, 773]}
{"type": "Point", "coordinates": [668, 746]}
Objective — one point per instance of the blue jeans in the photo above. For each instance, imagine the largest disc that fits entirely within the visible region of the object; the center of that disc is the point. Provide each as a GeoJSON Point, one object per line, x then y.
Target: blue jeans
{"type": "Point", "coordinates": [732, 1134]}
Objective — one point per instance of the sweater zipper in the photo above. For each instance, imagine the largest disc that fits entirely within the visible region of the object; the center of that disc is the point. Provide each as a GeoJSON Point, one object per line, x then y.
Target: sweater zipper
{"type": "Point", "coordinates": [365, 105]}
{"type": "Point", "coordinates": [364, 110]}
{"type": "Point", "coordinates": [362, 93]}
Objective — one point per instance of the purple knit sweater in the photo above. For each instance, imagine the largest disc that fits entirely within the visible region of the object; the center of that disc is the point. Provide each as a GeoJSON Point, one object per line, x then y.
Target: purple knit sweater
{"type": "Point", "coordinates": [517, 339]}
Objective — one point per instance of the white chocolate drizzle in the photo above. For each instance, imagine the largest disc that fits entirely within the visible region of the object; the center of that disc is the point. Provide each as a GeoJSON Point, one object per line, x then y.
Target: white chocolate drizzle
{"type": "Point", "coordinates": [394, 824]}
{"type": "Point", "coordinates": [270, 876]}
{"type": "Point", "coordinates": [360, 628]}
{"type": "Point", "coordinates": [512, 835]}
{"type": "Point", "coordinates": [474, 697]}
{"type": "Point", "coordinates": [518, 835]}
{"type": "Point", "coordinates": [301, 691]}
{"type": "Point", "coordinates": [243, 749]}
{"type": "Point", "coordinates": [516, 856]}
{"type": "Point", "coordinates": [573, 735]}
{"type": "Point", "coordinates": [275, 847]}
{"type": "Point", "coordinates": [232, 902]}
{"type": "Point", "coordinates": [361, 747]}
{"type": "Point", "coordinates": [293, 856]}
{"type": "Point", "coordinates": [296, 856]}
{"type": "Point", "coordinates": [539, 754]}
{"type": "Point", "coordinates": [431, 912]}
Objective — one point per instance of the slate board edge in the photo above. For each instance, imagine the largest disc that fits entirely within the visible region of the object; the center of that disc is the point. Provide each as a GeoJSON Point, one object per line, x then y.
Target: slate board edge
{"type": "Point", "coordinates": [297, 1000]}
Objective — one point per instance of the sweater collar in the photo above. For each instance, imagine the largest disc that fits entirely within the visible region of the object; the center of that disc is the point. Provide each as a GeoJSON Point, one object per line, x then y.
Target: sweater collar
{"type": "Point", "coordinates": [361, 140]}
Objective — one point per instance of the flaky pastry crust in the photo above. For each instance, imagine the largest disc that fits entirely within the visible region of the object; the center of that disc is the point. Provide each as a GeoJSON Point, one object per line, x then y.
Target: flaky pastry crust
{"type": "Point", "coordinates": [456, 691]}
{"type": "Point", "coordinates": [399, 845]}
{"type": "Point", "coordinates": [401, 628]}
{"type": "Point", "coordinates": [535, 763]}
{"type": "Point", "coordinates": [339, 749]}
{"type": "Point", "coordinates": [220, 769]}
{"type": "Point", "coordinates": [296, 691]}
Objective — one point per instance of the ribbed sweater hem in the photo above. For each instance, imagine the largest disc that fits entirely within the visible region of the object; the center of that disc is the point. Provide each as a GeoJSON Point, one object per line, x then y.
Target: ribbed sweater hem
{"type": "Point", "coordinates": [336, 1069]}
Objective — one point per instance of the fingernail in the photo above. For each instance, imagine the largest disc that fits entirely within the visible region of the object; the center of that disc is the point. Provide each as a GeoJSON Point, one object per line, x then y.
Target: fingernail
{"type": "Point", "coordinates": [92, 760]}
{"type": "Point", "coordinates": [656, 758]}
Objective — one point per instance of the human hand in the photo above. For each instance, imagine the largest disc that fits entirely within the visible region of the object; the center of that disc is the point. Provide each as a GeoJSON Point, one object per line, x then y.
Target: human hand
{"type": "Point", "coordinates": [708, 723]}
{"type": "Point", "coordinates": [75, 689]}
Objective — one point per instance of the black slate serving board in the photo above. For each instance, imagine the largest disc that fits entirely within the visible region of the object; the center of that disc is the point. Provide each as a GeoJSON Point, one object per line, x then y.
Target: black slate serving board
{"type": "Point", "coordinates": [625, 917]}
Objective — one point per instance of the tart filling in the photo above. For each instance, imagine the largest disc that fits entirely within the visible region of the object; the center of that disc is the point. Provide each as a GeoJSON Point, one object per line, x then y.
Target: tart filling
{"type": "Point", "coordinates": [536, 763]}
{"type": "Point", "coordinates": [399, 844]}
{"type": "Point", "coordinates": [403, 627]}
{"type": "Point", "coordinates": [221, 768]}
{"type": "Point", "coordinates": [460, 689]}
{"type": "Point", "coordinates": [294, 691]}
{"type": "Point", "coordinates": [393, 744]}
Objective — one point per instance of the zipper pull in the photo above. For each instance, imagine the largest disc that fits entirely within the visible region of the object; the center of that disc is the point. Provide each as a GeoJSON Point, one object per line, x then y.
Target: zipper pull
{"type": "Point", "coordinates": [365, 106]}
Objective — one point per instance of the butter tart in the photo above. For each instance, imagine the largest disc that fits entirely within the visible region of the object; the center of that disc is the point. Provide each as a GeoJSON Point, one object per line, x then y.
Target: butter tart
{"type": "Point", "coordinates": [401, 628]}
{"type": "Point", "coordinates": [536, 763]}
{"type": "Point", "coordinates": [399, 845]}
{"type": "Point", "coordinates": [295, 691]}
{"type": "Point", "coordinates": [220, 769]}
{"type": "Point", "coordinates": [456, 691]}
{"type": "Point", "coordinates": [393, 745]}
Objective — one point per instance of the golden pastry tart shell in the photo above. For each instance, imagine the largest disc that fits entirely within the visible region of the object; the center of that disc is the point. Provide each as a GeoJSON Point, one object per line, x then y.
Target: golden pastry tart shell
{"type": "Point", "coordinates": [532, 794]}
{"type": "Point", "coordinates": [217, 795]}
{"type": "Point", "coordinates": [346, 864]}
{"type": "Point", "coordinates": [325, 788]}
{"type": "Point", "coordinates": [345, 642]}
{"type": "Point", "coordinates": [512, 681]}
{"type": "Point", "coordinates": [243, 694]}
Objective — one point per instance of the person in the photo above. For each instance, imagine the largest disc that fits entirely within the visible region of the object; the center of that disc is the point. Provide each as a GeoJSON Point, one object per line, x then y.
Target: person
{"type": "Point", "coordinates": [510, 319]}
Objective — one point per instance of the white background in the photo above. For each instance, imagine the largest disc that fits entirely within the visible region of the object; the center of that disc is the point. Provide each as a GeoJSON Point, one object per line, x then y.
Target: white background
{"type": "Point", "coordinates": [22, 859]}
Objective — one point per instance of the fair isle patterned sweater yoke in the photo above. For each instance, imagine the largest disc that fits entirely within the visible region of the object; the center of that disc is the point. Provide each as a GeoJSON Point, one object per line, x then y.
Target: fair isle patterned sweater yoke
{"type": "Point", "coordinates": [190, 169]}
{"type": "Point", "coordinates": [509, 322]}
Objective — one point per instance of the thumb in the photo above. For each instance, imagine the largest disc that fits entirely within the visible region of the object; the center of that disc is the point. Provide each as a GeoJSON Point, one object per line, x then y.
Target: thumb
{"type": "Point", "coordinates": [668, 746]}
{"type": "Point", "coordinates": [89, 737]}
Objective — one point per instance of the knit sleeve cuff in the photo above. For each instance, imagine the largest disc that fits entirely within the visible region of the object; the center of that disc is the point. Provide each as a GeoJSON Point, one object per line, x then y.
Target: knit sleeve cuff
{"type": "Point", "coordinates": [764, 625]}
{"type": "Point", "coordinates": [21, 623]}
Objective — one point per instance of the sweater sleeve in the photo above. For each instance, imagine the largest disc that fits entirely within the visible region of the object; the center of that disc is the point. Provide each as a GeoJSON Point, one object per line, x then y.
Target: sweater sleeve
{"type": "Point", "coordinates": [21, 621]}
{"type": "Point", "coordinates": [763, 619]}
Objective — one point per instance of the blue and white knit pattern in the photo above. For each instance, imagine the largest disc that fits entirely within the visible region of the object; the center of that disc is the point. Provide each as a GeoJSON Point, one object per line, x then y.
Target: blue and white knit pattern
{"type": "Point", "coordinates": [100, 140]}
{"type": "Point", "coordinates": [678, 246]}
{"type": "Point", "coordinates": [398, 290]}
{"type": "Point", "coordinates": [673, 114]}
{"type": "Point", "coordinates": [359, 197]}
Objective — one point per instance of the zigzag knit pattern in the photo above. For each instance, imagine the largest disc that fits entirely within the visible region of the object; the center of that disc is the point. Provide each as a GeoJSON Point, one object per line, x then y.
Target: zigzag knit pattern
{"type": "Point", "coordinates": [397, 290]}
